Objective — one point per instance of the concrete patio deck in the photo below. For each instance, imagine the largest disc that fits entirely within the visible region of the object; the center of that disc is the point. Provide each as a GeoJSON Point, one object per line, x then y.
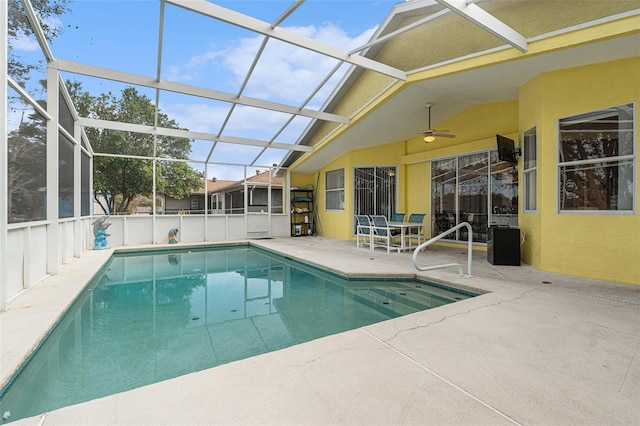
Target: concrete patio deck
{"type": "Point", "coordinates": [536, 349]}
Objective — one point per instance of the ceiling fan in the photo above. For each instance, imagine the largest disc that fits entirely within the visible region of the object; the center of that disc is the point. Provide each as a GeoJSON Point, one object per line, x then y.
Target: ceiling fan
{"type": "Point", "coordinates": [431, 134]}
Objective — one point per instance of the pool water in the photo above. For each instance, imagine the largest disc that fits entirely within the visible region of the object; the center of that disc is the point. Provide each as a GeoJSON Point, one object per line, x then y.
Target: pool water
{"type": "Point", "coordinates": [154, 316]}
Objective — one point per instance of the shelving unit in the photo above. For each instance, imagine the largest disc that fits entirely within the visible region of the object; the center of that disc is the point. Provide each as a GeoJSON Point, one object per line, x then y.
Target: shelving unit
{"type": "Point", "coordinates": [302, 220]}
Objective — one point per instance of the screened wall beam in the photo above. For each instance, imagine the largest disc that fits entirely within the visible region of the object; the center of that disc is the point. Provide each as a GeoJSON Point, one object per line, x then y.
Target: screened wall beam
{"type": "Point", "coordinates": [178, 133]}
{"type": "Point", "coordinates": [252, 24]}
{"type": "Point", "coordinates": [400, 31]}
{"type": "Point", "coordinates": [140, 80]}
{"type": "Point", "coordinates": [486, 21]}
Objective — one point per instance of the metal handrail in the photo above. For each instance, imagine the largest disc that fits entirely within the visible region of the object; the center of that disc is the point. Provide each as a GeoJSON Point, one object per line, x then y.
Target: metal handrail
{"type": "Point", "coordinates": [447, 265]}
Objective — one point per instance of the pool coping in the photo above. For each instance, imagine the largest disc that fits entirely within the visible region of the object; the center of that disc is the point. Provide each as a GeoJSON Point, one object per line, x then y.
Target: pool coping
{"type": "Point", "coordinates": [536, 348]}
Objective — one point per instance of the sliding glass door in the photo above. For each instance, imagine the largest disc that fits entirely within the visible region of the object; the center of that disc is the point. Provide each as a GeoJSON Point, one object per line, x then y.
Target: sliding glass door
{"type": "Point", "coordinates": [475, 188]}
{"type": "Point", "coordinates": [443, 195]}
{"type": "Point", "coordinates": [374, 191]}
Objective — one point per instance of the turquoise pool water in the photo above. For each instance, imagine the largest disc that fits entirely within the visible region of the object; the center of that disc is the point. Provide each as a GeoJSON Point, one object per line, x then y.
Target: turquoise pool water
{"type": "Point", "coordinates": [154, 316]}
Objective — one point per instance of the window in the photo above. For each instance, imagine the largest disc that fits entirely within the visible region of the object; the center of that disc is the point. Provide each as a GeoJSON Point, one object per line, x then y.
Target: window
{"type": "Point", "coordinates": [334, 190]}
{"type": "Point", "coordinates": [475, 188]}
{"type": "Point", "coordinates": [596, 160]}
{"type": "Point", "coordinates": [444, 182]}
{"type": "Point", "coordinates": [529, 171]}
{"type": "Point", "coordinates": [504, 192]}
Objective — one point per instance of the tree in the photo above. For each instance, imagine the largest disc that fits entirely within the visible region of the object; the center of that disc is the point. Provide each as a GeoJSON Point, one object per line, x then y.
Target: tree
{"type": "Point", "coordinates": [120, 180]}
{"type": "Point", "coordinates": [19, 26]}
{"type": "Point", "coordinates": [26, 149]}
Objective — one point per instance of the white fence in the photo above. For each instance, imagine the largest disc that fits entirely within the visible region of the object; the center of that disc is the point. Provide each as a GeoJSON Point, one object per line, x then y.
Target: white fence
{"type": "Point", "coordinates": [30, 258]}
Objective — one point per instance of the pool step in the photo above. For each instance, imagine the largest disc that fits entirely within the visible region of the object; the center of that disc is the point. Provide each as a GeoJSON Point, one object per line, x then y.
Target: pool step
{"type": "Point", "coordinates": [398, 301]}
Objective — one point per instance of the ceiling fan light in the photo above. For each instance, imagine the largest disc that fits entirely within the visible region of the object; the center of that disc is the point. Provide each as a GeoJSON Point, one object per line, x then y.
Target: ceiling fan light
{"type": "Point", "coordinates": [429, 138]}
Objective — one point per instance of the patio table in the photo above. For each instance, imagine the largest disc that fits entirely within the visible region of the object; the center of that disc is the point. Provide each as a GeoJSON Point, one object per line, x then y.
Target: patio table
{"type": "Point", "coordinates": [403, 227]}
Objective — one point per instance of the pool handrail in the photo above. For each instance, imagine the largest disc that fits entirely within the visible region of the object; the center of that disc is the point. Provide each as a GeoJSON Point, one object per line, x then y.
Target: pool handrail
{"type": "Point", "coordinates": [447, 265]}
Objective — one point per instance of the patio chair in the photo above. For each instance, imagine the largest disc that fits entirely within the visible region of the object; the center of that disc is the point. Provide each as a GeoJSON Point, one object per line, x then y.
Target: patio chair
{"type": "Point", "coordinates": [415, 232]}
{"type": "Point", "coordinates": [382, 235]}
{"type": "Point", "coordinates": [363, 230]}
{"type": "Point", "coordinates": [397, 217]}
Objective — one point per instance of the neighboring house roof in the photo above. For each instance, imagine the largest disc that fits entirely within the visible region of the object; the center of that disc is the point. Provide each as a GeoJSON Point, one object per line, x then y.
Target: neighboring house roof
{"type": "Point", "coordinates": [218, 186]}
{"type": "Point", "coordinates": [214, 186]}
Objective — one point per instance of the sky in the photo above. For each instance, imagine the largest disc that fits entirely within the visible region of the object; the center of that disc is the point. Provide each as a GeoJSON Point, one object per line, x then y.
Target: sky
{"type": "Point", "coordinates": [200, 51]}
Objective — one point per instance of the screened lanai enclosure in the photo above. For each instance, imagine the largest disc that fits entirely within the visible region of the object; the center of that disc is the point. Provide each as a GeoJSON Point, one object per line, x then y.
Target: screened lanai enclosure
{"type": "Point", "coordinates": [98, 127]}
{"type": "Point", "coordinates": [197, 116]}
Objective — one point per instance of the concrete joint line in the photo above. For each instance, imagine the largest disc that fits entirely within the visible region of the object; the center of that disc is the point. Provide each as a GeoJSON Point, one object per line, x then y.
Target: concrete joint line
{"type": "Point", "coordinates": [626, 375]}
{"type": "Point", "coordinates": [460, 313]}
{"type": "Point", "coordinates": [495, 410]}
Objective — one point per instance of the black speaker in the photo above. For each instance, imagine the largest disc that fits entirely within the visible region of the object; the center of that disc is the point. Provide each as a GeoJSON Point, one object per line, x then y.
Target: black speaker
{"type": "Point", "coordinates": [503, 246]}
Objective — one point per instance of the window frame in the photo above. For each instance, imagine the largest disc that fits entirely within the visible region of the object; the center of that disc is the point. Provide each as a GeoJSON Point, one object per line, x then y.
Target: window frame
{"type": "Point", "coordinates": [605, 161]}
{"type": "Point", "coordinates": [338, 190]}
{"type": "Point", "coordinates": [528, 172]}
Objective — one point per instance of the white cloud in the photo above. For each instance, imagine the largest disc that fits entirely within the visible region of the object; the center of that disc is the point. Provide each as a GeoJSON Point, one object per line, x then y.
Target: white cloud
{"type": "Point", "coordinates": [196, 117]}
{"type": "Point", "coordinates": [284, 73]}
{"type": "Point", "coordinates": [196, 67]}
{"type": "Point", "coordinates": [177, 73]}
{"type": "Point", "coordinates": [29, 43]}
{"type": "Point", "coordinates": [24, 43]}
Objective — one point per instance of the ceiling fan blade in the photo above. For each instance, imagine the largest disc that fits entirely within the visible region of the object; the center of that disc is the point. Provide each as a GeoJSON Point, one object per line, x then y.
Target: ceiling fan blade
{"type": "Point", "coordinates": [445, 135]}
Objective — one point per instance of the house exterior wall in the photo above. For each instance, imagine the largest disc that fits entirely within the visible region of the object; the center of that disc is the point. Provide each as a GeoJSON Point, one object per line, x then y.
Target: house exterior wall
{"type": "Point", "coordinates": [531, 223]}
{"type": "Point", "coordinates": [173, 205]}
{"type": "Point", "coordinates": [596, 245]}
{"type": "Point", "coordinates": [480, 124]}
{"type": "Point", "coordinates": [476, 130]}
{"type": "Point", "coordinates": [602, 246]}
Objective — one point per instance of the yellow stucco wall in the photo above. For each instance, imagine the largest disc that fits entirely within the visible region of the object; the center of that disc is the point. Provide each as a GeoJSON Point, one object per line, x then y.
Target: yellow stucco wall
{"type": "Point", "coordinates": [530, 223]}
{"type": "Point", "coordinates": [475, 130]}
{"type": "Point", "coordinates": [594, 245]}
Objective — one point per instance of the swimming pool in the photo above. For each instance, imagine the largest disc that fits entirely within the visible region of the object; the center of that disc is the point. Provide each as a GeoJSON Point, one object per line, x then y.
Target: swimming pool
{"type": "Point", "coordinates": [152, 316]}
